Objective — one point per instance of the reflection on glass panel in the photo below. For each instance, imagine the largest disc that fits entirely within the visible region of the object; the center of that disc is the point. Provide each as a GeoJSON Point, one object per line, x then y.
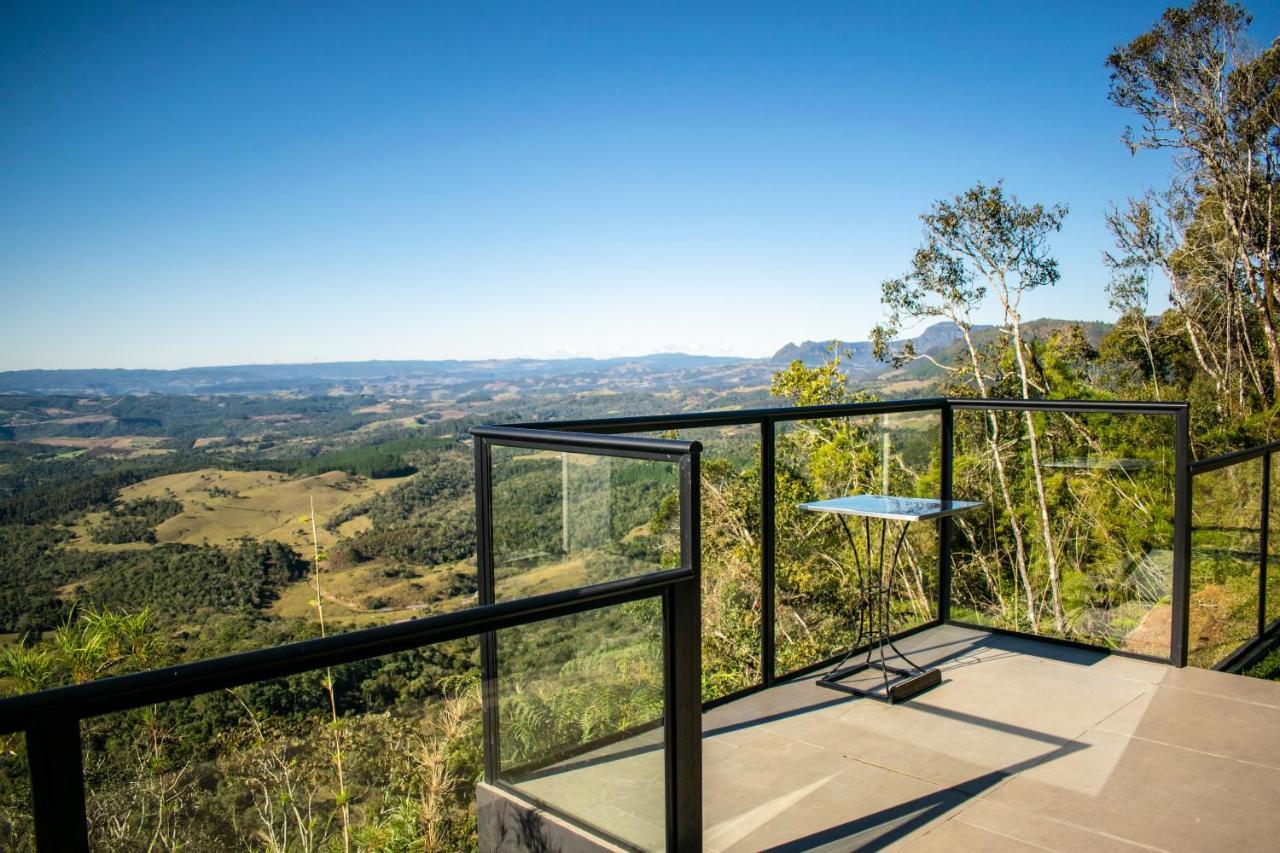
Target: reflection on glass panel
{"type": "Point", "coordinates": [1225, 538]}
{"type": "Point", "coordinates": [564, 520]}
{"type": "Point", "coordinates": [388, 762]}
{"type": "Point", "coordinates": [1076, 538]}
{"type": "Point", "coordinates": [731, 635]}
{"type": "Point", "coordinates": [895, 454]}
{"type": "Point", "coordinates": [580, 702]}
{"type": "Point", "coordinates": [17, 829]}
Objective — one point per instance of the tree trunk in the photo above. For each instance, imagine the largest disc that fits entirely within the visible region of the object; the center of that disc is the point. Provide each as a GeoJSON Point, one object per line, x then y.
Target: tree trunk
{"type": "Point", "coordinates": [1145, 336]}
{"type": "Point", "coordinates": [1051, 556]}
{"type": "Point", "coordinates": [1020, 547]}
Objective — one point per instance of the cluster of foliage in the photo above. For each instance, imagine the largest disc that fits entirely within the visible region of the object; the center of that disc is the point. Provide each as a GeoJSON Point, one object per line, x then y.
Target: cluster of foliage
{"type": "Point", "coordinates": [176, 579]}
{"type": "Point", "coordinates": [135, 521]}
{"type": "Point", "coordinates": [40, 576]}
{"type": "Point", "coordinates": [51, 502]}
{"type": "Point", "coordinates": [425, 521]}
{"type": "Point", "coordinates": [119, 530]}
{"type": "Point", "coordinates": [183, 418]}
{"type": "Point", "coordinates": [1200, 90]}
{"type": "Point", "coordinates": [33, 568]}
{"type": "Point", "coordinates": [151, 510]}
{"type": "Point", "coordinates": [380, 460]}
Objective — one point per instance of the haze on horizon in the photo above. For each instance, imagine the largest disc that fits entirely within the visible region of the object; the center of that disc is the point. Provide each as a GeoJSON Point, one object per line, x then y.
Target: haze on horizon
{"type": "Point", "coordinates": [246, 184]}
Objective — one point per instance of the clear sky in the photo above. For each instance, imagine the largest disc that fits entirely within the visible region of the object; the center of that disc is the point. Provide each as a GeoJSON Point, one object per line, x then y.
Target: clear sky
{"type": "Point", "coordinates": [221, 183]}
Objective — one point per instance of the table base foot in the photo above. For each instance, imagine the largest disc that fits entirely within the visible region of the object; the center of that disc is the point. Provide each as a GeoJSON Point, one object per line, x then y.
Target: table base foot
{"type": "Point", "coordinates": [910, 683]}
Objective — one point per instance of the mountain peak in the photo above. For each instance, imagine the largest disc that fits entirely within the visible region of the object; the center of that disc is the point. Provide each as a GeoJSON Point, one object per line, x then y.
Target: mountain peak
{"type": "Point", "coordinates": [935, 337]}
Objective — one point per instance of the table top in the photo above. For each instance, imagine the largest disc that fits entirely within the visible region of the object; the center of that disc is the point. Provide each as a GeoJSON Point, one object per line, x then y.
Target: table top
{"type": "Point", "coordinates": [891, 507]}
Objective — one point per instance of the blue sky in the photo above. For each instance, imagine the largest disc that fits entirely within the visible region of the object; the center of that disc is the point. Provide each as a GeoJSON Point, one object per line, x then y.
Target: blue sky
{"type": "Point", "coordinates": [186, 184]}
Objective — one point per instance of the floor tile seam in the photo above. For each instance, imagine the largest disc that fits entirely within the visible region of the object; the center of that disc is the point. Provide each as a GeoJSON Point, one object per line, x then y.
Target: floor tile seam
{"type": "Point", "coordinates": [932, 782]}
{"type": "Point", "coordinates": [1067, 823]}
{"type": "Point", "coordinates": [1075, 667]}
{"type": "Point", "coordinates": [854, 758]}
{"type": "Point", "coordinates": [1273, 767]}
{"type": "Point", "coordinates": [927, 831]}
{"type": "Point", "coordinates": [1220, 695]}
{"type": "Point", "coordinates": [959, 819]}
{"type": "Point", "coordinates": [1065, 666]}
{"type": "Point", "coordinates": [661, 827]}
{"type": "Point", "coordinates": [1146, 694]}
{"type": "Point", "coordinates": [720, 741]}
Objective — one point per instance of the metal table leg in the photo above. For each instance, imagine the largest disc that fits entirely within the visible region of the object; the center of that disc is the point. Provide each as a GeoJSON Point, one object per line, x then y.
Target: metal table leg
{"type": "Point", "coordinates": [873, 607]}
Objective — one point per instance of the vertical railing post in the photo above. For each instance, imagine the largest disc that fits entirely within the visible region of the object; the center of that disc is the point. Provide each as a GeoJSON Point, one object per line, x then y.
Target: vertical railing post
{"type": "Point", "coordinates": [1182, 509]}
{"type": "Point", "coordinates": [57, 784]}
{"type": "Point", "coordinates": [682, 653]}
{"type": "Point", "coordinates": [1263, 543]}
{"type": "Point", "coordinates": [486, 594]}
{"type": "Point", "coordinates": [768, 554]}
{"type": "Point", "coordinates": [944, 524]}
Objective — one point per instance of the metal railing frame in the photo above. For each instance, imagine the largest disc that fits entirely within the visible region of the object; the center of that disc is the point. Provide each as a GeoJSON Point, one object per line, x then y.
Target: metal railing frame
{"type": "Point", "coordinates": [681, 615]}
{"type": "Point", "coordinates": [1264, 634]}
{"type": "Point", "coordinates": [767, 419]}
{"type": "Point", "coordinates": [51, 718]}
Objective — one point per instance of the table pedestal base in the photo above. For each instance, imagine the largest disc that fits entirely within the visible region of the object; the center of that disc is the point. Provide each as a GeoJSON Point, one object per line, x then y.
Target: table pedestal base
{"type": "Point", "coordinates": [909, 683]}
{"type": "Point", "coordinates": [873, 622]}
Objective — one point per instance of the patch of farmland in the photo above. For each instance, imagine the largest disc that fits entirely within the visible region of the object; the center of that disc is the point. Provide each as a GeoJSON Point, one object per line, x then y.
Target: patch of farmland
{"type": "Point", "coordinates": [223, 506]}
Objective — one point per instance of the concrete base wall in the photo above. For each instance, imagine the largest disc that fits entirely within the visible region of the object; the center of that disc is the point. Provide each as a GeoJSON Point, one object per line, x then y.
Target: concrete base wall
{"type": "Point", "coordinates": [507, 823]}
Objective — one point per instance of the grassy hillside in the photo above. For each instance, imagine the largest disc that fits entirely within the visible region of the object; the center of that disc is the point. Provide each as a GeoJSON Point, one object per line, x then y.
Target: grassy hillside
{"type": "Point", "coordinates": [220, 507]}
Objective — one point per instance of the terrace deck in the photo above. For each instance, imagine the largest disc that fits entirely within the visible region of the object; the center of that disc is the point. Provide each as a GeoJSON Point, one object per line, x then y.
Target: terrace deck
{"type": "Point", "coordinates": [1024, 746]}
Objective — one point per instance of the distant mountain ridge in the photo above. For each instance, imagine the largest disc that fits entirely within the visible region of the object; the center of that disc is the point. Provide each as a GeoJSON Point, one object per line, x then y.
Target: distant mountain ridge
{"type": "Point", "coordinates": [271, 378]}
{"type": "Point", "coordinates": [645, 372]}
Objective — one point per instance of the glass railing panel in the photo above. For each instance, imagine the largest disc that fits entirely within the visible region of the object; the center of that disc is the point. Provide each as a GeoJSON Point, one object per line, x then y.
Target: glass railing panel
{"type": "Point", "coordinates": [1076, 536]}
{"type": "Point", "coordinates": [265, 766]}
{"type": "Point", "coordinates": [817, 579]}
{"type": "Point", "coordinates": [17, 828]}
{"type": "Point", "coordinates": [565, 520]}
{"type": "Point", "coordinates": [580, 706]}
{"type": "Point", "coordinates": [1225, 542]}
{"type": "Point", "coordinates": [731, 587]}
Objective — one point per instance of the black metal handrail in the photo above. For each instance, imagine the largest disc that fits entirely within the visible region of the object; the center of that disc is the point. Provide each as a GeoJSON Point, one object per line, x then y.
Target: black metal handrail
{"type": "Point", "coordinates": [766, 419]}
{"type": "Point", "coordinates": [51, 718]}
{"type": "Point", "coordinates": [632, 447]}
{"type": "Point", "coordinates": [735, 417]}
{"type": "Point", "coordinates": [185, 680]}
{"type": "Point", "coordinates": [1097, 407]}
{"type": "Point", "coordinates": [681, 614]}
{"type": "Point", "coordinates": [1233, 457]}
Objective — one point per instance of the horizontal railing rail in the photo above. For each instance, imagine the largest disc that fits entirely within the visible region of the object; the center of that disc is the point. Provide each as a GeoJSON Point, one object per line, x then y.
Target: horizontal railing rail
{"type": "Point", "coordinates": [1233, 457]}
{"type": "Point", "coordinates": [634, 447]}
{"type": "Point", "coordinates": [1099, 407]}
{"type": "Point", "coordinates": [185, 680]}
{"type": "Point", "coordinates": [736, 417]}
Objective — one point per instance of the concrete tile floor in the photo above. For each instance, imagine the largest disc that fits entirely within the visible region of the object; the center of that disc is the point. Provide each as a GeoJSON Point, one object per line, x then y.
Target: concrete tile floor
{"type": "Point", "coordinates": [1024, 746]}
